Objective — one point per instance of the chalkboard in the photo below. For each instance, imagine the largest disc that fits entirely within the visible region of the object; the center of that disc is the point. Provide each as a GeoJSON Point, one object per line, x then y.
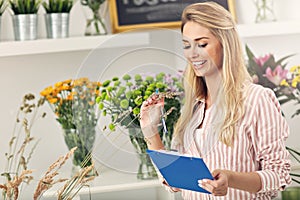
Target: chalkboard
{"type": "Point", "coordinates": [132, 14]}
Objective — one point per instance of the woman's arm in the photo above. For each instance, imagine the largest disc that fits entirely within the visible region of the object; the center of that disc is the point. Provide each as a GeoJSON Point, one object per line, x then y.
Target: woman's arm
{"type": "Point", "coordinates": [150, 121]}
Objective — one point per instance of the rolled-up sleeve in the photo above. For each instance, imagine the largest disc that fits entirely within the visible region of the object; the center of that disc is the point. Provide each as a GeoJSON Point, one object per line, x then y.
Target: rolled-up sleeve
{"type": "Point", "coordinates": [269, 142]}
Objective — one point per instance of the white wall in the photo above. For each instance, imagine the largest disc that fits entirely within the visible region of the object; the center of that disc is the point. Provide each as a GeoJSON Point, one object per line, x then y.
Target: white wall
{"type": "Point", "coordinates": [23, 74]}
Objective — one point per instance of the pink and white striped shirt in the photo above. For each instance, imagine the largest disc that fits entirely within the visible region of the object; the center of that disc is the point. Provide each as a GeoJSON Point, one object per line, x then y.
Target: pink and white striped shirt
{"type": "Point", "coordinates": [259, 146]}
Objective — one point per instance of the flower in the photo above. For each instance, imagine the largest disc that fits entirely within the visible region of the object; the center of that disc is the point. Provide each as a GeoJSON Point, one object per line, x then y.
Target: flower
{"type": "Point", "coordinates": [121, 99]}
{"type": "Point", "coordinates": [73, 102]}
{"type": "Point", "coordinates": [275, 75]}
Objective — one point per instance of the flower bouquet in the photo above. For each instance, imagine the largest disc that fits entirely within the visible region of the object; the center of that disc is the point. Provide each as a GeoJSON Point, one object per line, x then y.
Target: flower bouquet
{"type": "Point", "coordinates": [73, 102]}
{"type": "Point", "coordinates": [121, 99]}
{"type": "Point", "coordinates": [284, 82]}
{"type": "Point", "coordinates": [275, 75]}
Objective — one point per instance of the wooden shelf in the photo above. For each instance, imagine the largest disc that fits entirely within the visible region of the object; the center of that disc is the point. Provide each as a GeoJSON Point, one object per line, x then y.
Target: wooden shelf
{"type": "Point", "coordinates": [269, 29]}
{"type": "Point", "coordinates": [45, 46]}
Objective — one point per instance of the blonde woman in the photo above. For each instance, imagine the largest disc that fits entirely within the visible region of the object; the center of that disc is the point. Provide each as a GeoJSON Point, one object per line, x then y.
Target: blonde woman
{"type": "Point", "coordinates": [234, 125]}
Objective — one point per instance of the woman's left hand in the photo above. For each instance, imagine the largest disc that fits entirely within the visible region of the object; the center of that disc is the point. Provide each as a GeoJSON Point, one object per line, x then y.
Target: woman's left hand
{"type": "Point", "coordinates": [218, 186]}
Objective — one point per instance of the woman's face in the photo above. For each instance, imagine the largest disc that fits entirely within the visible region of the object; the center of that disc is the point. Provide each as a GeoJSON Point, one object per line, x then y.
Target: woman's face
{"type": "Point", "coordinates": [202, 49]}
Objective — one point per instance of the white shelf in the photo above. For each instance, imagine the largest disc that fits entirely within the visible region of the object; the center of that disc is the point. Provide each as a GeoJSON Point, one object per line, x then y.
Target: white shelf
{"type": "Point", "coordinates": [269, 29]}
{"type": "Point", "coordinates": [45, 46]}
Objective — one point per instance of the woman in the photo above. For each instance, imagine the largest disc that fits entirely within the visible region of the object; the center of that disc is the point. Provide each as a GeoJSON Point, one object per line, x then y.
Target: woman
{"type": "Point", "coordinates": [234, 125]}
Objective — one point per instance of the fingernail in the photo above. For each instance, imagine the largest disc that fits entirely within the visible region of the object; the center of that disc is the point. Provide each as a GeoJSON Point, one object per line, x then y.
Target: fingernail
{"type": "Point", "coordinates": [200, 185]}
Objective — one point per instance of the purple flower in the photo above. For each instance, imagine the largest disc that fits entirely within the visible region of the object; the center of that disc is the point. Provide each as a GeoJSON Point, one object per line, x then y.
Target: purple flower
{"type": "Point", "coordinates": [260, 61]}
{"type": "Point", "coordinates": [277, 75]}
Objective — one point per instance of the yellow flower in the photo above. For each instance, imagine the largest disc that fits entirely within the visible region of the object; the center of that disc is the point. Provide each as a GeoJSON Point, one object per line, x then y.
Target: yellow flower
{"type": "Point", "coordinates": [284, 83]}
{"type": "Point", "coordinates": [295, 69]}
{"type": "Point", "coordinates": [52, 100]}
{"type": "Point", "coordinates": [58, 84]}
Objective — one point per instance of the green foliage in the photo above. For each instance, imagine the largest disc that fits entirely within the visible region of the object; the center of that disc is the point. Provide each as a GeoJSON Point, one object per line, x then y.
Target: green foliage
{"type": "Point", "coordinates": [25, 6]}
{"type": "Point", "coordinates": [122, 98]}
{"type": "Point", "coordinates": [94, 5]}
{"type": "Point", "coordinates": [296, 155]}
{"type": "Point", "coordinates": [3, 6]}
{"type": "Point", "coordinates": [58, 6]}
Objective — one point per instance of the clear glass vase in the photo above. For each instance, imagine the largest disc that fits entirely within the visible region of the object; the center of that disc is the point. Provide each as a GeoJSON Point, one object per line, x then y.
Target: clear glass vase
{"type": "Point", "coordinates": [146, 169]}
{"type": "Point", "coordinates": [264, 11]}
{"type": "Point", "coordinates": [95, 17]}
{"type": "Point", "coordinates": [84, 141]}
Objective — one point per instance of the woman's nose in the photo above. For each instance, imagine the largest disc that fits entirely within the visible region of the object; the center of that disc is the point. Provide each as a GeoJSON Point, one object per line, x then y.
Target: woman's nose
{"type": "Point", "coordinates": [194, 53]}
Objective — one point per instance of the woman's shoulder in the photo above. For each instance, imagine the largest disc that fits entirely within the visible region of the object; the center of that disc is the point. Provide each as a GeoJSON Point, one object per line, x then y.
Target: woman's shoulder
{"type": "Point", "coordinates": [256, 91]}
{"type": "Point", "coordinates": [259, 96]}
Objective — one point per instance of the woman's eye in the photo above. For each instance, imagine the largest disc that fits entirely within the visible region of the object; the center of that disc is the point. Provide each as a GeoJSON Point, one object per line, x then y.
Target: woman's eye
{"type": "Point", "coordinates": [202, 45]}
{"type": "Point", "coordinates": [186, 46]}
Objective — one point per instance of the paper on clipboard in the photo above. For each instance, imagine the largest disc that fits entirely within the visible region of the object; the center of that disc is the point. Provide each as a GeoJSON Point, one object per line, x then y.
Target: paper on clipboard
{"type": "Point", "coordinates": [180, 171]}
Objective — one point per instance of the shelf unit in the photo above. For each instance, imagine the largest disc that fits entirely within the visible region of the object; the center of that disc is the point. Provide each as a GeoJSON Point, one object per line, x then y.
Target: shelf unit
{"type": "Point", "coordinates": [45, 46]}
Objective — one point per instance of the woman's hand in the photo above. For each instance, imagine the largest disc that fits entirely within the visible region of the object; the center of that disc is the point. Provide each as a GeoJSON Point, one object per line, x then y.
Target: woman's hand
{"type": "Point", "coordinates": [150, 115]}
{"type": "Point", "coordinates": [218, 186]}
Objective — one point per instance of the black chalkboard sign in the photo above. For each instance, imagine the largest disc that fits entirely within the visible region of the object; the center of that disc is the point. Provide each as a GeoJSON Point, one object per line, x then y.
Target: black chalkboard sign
{"type": "Point", "coordinates": [131, 14]}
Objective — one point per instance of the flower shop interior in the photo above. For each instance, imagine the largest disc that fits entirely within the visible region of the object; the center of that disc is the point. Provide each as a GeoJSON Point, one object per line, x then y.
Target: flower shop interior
{"type": "Point", "coordinates": [32, 65]}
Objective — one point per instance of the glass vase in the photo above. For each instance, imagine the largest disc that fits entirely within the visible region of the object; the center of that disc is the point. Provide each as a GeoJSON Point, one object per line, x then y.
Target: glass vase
{"type": "Point", "coordinates": [84, 141]}
{"type": "Point", "coordinates": [146, 169]}
{"type": "Point", "coordinates": [264, 11]}
{"type": "Point", "coordinates": [95, 18]}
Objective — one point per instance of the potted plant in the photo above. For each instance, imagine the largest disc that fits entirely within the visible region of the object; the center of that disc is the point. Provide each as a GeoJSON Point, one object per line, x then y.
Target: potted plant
{"type": "Point", "coordinates": [57, 17]}
{"type": "Point", "coordinates": [95, 13]}
{"type": "Point", "coordinates": [121, 100]}
{"type": "Point", "coordinates": [25, 18]}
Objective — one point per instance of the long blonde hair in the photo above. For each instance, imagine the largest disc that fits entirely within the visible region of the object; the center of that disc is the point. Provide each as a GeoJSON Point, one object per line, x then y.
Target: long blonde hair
{"type": "Point", "coordinates": [234, 72]}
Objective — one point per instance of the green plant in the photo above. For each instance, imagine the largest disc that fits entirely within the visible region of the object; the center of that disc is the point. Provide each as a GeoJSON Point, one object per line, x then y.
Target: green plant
{"type": "Point", "coordinates": [121, 99]}
{"type": "Point", "coordinates": [96, 22]}
{"type": "Point", "coordinates": [24, 6]}
{"type": "Point", "coordinates": [58, 6]}
{"type": "Point", "coordinates": [296, 155]}
{"type": "Point", "coordinates": [3, 6]}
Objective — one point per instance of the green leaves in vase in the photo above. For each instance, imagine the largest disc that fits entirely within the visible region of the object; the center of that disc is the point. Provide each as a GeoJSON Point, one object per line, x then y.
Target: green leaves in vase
{"type": "Point", "coordinates": [58, 6]}
{"type": "Point", "coordinates": [25, 6]}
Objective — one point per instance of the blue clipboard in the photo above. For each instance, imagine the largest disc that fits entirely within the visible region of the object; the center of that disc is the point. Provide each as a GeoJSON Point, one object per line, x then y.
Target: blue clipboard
{"type": "Point", "coordinates": [180, 171]}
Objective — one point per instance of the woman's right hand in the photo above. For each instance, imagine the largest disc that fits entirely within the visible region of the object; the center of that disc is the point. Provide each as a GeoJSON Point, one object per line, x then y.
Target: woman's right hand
{"type": "Point", "coordinates": [151, 115]}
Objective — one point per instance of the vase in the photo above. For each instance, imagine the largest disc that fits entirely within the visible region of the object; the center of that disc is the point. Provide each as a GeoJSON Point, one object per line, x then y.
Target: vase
{"type": "Point", "coordinates": [146, 170]}
{"type": "Point", "coordinates": [264, 11]}
{"type": "Point", "coordinates": [25, 26]}
{"type": "Point", "coordinates": [57, 25]}
{"type": "Point", "coordinates": [95, 21]}
{"type": "Point", "coordinates": [291, 193]}
{"type": "Point", "coordinates": [84, 140]}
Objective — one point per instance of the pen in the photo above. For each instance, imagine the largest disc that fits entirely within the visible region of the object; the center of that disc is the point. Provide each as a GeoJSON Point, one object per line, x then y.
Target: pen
{"type": "Point", "coordinates": [163, 121]}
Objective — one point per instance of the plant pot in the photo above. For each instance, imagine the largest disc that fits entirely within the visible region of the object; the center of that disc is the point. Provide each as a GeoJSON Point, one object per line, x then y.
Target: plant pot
{"type": "Point", "coordinates": [291, 193]}
{"type": "Point", "coordinates": [57, 25]}
{"type": "Point", "coordinates": [25, 26]}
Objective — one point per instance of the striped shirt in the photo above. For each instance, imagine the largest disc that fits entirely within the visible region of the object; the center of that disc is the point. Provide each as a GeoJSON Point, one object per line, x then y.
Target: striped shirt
{"type": "Point", "coordinates": [259, 145]}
